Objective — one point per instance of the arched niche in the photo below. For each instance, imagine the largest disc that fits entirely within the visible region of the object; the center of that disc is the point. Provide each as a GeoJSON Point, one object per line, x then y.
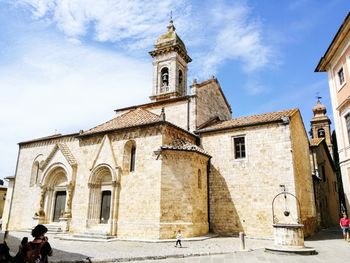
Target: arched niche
{"type": "Point", "coordinates": [36, 172]}
{"type": "Point", "coordinates": [53, 201]}
{"type": "Point", "coordinates": [101, 191]}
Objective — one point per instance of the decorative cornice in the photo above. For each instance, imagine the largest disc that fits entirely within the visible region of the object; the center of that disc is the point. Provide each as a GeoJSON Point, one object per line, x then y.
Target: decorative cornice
{"type": "Point", "coordinates": [175, 48]}
{"type": "Point", "coordinates": [66, 153]}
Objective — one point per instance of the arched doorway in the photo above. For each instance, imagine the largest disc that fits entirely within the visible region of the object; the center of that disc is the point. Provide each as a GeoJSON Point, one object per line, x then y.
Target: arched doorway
{"type": "Point", "coordinates": [53, 203]}
{"type": "Point", "coordinates": [101, 211]}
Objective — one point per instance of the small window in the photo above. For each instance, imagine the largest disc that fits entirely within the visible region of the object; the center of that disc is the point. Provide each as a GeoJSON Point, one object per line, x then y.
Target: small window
{"type": "Point", "coordinates": [239, 147]}
{"type": "Point", "coordinates": [341, 76]}
{"type": "Point", "coordinates": [199, 179]}
{"type": "Point", "coordinates": [180, 82]}
{"type": "Point", "coordinates": [132, 159]}
{"type": "Point", "coordinates": [347, 121]}
{"type": "Point", "coordinates": [321, 133]}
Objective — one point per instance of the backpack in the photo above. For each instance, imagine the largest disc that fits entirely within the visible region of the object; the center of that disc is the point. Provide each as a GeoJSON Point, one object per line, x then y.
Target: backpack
{"type": "Point", "coordinates": [33, 252]}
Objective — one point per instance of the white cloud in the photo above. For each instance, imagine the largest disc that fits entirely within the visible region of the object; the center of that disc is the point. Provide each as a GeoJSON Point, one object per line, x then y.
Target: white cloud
{"type": "Point", "coordinates": [109, 20]}
{"type": "Point", "coordinates": [235, 35]}
{"type": "Point", "coordinates": [254, 87]}
{"type": "Point", "coordinates": [56, 85]}
{"type": "Point", "coordinates": [49, 83]}
{"type": "Point", "coordinates": [216, 32]}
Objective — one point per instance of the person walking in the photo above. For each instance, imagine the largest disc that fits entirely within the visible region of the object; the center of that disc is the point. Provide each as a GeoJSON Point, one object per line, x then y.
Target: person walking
{"type": "Point", "coordinates": [39, 249]}
{"type": "Point", "coordinates": [344, 224]}
{"type": "Point", "coordinates": [178, 238]}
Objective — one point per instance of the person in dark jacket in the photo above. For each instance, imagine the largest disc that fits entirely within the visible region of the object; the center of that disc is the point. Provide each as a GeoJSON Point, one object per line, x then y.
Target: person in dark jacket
{"type": "Point", "coordinates": [40, 241]}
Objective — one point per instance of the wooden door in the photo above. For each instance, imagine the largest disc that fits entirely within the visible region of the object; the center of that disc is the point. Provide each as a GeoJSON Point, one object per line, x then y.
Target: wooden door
{"type": "Point", "coordinates": [60, 203]}
{"type": "Point", "coordinates": [105, 207]}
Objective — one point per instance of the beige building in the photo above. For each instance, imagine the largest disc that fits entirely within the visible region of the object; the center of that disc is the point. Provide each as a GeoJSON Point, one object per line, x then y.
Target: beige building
{"type": "Point", "coordinates": [178, 162]}
{"type": "Point", "coordinates": [3, 192]}
{"type": "Point", "coordinates": [326, 187]}
{"type": "Point", "coordinates": [336, 62]}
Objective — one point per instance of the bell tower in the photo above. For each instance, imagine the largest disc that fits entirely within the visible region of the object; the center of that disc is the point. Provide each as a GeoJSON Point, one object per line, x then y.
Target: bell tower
{"type": "Point", "coordinates": [320, 124]}
{"type": "Point", "coordinates": [170, 61]}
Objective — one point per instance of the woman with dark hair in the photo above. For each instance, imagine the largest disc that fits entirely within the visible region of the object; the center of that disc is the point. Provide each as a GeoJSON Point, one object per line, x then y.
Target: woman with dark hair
{"type": "Point", "coordinates": [39, 249]}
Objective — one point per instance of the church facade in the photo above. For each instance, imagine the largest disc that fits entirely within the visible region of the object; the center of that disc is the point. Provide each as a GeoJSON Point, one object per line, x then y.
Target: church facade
{"type": "Point", "coordinates": [177, 162]}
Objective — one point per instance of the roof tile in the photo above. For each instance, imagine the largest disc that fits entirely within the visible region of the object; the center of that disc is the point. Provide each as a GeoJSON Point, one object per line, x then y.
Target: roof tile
{"type": "Point", "coordinates": [183, 145]}
{"type": "Point", "coordinates": [132, 118]}
{"type": "Point", "coordinates": [250, 120]}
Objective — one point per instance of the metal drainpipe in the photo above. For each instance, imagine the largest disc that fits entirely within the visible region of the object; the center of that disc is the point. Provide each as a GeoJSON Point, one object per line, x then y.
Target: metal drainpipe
{"type": "Point", "coordinates": [13, 191]}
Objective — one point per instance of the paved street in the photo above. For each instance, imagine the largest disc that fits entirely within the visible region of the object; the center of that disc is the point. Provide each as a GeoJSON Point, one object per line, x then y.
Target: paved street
{"type": "Point", "coordinates": [328, 243]}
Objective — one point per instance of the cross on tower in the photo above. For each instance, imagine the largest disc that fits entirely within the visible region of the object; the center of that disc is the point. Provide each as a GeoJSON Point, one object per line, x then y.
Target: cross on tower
{"type": "Point", "coordinates": [318, 97]}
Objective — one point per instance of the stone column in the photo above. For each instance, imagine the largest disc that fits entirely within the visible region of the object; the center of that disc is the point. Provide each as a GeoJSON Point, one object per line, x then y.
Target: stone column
{"type": "Point", "coordinates": [39, 216]}
{"type": "Point", "coordinates": [41, 212]}
{"type": "Point", "coordinates": [49, 203]}
{"type": "Point", "coordinates": [92, 218]}
{"type": "Point", "coordinates": [114, 210]}
{"type": "Point", "coordinates": [68, 210]}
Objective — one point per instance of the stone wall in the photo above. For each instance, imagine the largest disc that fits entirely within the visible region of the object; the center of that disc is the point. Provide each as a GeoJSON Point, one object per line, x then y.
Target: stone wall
{"type": "Point", "coordinates": [242, 190]}
{"type": "Point", "coordinates": [326, 189]}
{"type": "Point", "coordinates": [184, 203]}
{"type": "Point", "coordinates": [138, 207]}
{"type": "Point", "coordinates": [176, 113]}
{"type": "Point", "coordinates": [302, 173]}
{"type": "Point", "coordinates": [7, 205]}
{"type": "Point", "coordinates": [210, 102]}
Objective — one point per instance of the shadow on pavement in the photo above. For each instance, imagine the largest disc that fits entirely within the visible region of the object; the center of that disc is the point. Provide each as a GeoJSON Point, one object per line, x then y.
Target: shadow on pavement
{"type": "Point", "coordinates": [334, 232]}
{"type": "Point", "coordinates": [58, 255]}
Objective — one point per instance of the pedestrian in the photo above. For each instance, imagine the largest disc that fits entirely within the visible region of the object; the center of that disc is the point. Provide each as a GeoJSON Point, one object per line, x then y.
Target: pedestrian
{"type": "Point", "coordinates": [39, 249]}
{"type": "Point", "coordinates": [20, 256]}
{"type": "Point", "coordinates": [344, 224]}
{"type": "Point", "coordinates": [178, 238]}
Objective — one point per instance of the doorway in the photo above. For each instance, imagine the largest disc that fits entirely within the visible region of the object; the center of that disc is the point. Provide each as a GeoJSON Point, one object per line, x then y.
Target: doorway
{"type": "Point", "coordinates": [105, 207]}
{"type": "Point", "coordinates": [60, 203]}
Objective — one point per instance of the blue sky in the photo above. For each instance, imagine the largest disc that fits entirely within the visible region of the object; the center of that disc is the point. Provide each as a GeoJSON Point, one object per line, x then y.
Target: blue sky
{"type": "Point", "coordinates": [66, 65]}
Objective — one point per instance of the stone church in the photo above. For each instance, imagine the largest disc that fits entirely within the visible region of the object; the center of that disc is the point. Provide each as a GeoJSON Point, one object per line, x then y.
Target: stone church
{"type": "Point", "coordinates": [178, 162]}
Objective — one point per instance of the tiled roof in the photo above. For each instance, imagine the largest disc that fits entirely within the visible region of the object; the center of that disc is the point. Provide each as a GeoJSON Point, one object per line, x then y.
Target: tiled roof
{"type": "Point", "coordinates": [131, 118]}
{"type": "Point", "coordinates": [182, 145]}
{"type": "Point", "coordinates": [50, 137]}
{"type": "Point", "coordinates": [250, 120]}
{"type": "Point", "coordinates": [316, 141]}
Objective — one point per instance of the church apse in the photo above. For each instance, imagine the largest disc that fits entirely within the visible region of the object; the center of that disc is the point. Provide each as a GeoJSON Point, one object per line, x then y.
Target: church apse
{"type": "Point", "coordinates": [183, 194]}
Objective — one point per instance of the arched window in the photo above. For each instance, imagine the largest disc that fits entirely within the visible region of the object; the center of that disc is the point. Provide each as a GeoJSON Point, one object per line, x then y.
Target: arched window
{"type": "Point", "coordinates": [180, 84]}
{"type": "Point", "coordinates": [132, 158]}
{"type": "Point", "coordinates": [199, 179]}
{"type": "Point", "coordinates": [129, 159]}
{"type": "Point", "coordinates": [321, 133]}
{"type": "Point", "coordinates": [164, 87]}
{"type": "Point", "coordinates": [34, 178]}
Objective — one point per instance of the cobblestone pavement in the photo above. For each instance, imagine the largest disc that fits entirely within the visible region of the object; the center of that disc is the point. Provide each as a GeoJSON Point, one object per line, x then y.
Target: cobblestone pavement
{"type": "Point", "coordinates": [328, 243]}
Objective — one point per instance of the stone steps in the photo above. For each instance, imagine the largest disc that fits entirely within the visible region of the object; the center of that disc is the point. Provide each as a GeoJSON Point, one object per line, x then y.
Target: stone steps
{"type": "Point", "coordinates": [93, 235]}
{"type": "Point", "coordinates": [53, 229]}
{"type": "Point", "coordinates": [89, 236]}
